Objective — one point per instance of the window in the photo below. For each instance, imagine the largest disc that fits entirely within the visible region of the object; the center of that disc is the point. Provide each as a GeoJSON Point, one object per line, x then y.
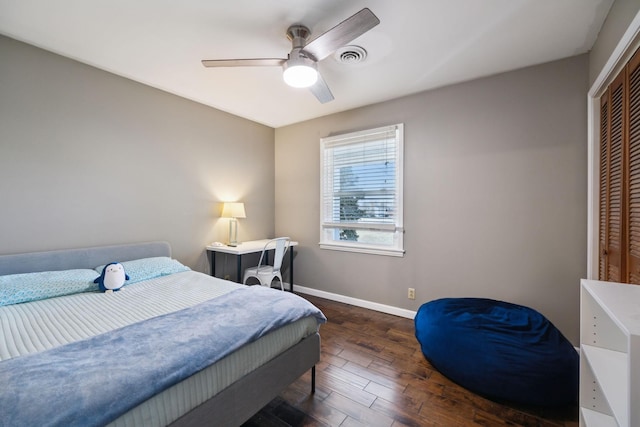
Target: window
{"type": "Point", "coordinates": [361, 191]}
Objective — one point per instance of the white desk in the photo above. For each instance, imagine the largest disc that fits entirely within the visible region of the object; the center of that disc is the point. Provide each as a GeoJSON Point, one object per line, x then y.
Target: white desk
{"type": "Point", "coordinates": [244, 248]}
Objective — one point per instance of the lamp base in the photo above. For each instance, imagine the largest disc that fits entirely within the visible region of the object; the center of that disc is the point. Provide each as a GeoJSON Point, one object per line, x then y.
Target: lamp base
{"type": "Point", "coordinates": [233, 233]}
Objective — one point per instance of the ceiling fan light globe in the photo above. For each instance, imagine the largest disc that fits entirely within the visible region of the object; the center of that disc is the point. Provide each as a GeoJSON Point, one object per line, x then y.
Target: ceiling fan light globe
{"type": "Point", "coordinates": [300, 72]}
{"type": "Point", "coordinates": [300, 76]}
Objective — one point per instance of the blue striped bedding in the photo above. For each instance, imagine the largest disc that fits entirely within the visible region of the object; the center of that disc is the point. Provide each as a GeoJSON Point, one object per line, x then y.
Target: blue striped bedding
{"type": "Point", "coordinates": [100, 313]}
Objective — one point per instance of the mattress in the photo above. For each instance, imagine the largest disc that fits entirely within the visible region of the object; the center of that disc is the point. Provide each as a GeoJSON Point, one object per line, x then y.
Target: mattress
{"type": "Point", "coordinates": [41, 325]}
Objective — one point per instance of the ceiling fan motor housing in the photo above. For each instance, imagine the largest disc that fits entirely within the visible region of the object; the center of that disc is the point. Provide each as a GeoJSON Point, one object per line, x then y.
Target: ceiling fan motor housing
{"type": "Point", "coordinates": [298, 34]}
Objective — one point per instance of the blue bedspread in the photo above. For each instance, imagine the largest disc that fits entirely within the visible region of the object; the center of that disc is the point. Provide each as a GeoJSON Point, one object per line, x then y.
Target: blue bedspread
{"type": "Point", "coordinates": [93, 381]}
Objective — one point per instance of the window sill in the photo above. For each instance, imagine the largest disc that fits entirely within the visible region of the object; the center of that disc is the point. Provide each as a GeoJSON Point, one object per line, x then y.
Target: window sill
{"type": "Point", "coordinates": [372, 250]}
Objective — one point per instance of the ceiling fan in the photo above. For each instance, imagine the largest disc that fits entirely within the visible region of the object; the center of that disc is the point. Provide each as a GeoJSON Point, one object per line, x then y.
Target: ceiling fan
{"type": "Point", "coordinates": [300, 68]}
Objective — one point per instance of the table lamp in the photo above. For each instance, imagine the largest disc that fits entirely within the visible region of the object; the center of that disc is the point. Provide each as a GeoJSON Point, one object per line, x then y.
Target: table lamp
{"type": "Point", "coordinates": [233, 210]}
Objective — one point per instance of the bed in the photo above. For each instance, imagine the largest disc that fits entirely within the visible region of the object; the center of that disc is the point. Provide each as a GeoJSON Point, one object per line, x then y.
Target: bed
{"type": "Point", "coordinates": [172, 347]}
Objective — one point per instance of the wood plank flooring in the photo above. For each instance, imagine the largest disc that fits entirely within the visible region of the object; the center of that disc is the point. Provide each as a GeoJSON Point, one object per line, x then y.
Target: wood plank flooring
{"type": "Point", "coordinates": [372, 373]}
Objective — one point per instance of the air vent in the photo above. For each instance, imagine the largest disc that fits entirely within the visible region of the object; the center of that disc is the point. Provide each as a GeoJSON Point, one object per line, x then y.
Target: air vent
{"type": "Point", "coordinates": [350, 54]}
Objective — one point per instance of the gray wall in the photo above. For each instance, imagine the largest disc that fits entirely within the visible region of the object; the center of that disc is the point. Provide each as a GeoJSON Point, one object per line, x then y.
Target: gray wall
{"type": "Point", "coordinates": [90, 158]}
{"type": "Point", "coordinates": [494, 194]}
{"type": "Point", "coordinates": [620, 15]}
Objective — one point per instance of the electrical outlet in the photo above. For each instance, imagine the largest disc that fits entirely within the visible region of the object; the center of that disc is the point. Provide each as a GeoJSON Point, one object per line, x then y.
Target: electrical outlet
{"type": "Point", "coordinates": [411, 294]}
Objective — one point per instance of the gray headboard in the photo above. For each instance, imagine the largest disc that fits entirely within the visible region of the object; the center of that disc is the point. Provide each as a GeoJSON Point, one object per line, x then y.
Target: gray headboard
{"type": "Point", "coordinates": [67, 259]}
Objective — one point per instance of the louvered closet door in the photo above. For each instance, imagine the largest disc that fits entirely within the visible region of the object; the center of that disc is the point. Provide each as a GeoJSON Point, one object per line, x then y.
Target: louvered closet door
{"type": "Point", "coordinates": [633, 136]}
{"type": "Point", "coordinates": [619, 222]}
{"type": "Point", "coordinates": [604, 189]}
{"type": "Point", "coordinates": [615, 205]}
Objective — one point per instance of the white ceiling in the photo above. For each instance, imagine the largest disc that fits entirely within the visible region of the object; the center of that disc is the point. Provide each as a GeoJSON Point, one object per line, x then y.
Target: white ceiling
{"type": "Point", "coordinates": [419, 45]}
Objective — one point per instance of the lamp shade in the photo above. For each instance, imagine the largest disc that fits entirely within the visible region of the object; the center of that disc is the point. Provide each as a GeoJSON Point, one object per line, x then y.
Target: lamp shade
{"type": "Point", "coordinates": [233, 210]}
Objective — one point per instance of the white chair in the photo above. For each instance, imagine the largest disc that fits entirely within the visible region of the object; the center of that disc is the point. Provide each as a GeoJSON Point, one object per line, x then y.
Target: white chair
{"type": "Point", "coordinates": [266, 273]}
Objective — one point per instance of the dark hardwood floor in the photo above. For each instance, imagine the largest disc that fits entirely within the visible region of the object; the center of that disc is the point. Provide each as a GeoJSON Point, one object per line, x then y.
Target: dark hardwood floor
{"type": "Point", "coordinates": [372, 373]}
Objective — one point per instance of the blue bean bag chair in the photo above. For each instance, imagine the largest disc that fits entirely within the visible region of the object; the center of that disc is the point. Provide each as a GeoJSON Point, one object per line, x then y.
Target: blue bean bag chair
{"type": "Point", "coordinates": [500, 350]}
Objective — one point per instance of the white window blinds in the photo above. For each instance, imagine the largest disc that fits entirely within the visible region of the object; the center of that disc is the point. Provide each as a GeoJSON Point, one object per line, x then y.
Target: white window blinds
{"type": "Point", "coordinates": [361, 191]}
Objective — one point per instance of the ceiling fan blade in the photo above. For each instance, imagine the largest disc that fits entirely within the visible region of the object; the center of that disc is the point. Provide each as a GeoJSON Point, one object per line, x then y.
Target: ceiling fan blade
{"type": "Point", "coordinates": [322, 91]}
{"type": "Point", "coordinates": [342, 34]}
{"type": "Point", "coordinates": [257, 62]}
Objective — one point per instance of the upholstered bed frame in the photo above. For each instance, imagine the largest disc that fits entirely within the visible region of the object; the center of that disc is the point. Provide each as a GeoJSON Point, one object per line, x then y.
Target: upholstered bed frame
{"type": "Point", "coordinates": [233, 405]}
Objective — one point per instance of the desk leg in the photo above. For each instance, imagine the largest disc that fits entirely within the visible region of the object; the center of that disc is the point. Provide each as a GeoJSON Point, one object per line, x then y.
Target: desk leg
{"type": "Point", "coordinates": [291, 270]}
{"type": "Point", "coordinates": [239, 267]}
{"type": "Point", "coordinates": [213, 263]}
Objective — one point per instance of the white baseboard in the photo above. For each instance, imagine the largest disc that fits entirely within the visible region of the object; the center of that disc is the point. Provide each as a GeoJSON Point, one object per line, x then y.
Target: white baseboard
{"type": "Point", "coordinates": [355, 301]}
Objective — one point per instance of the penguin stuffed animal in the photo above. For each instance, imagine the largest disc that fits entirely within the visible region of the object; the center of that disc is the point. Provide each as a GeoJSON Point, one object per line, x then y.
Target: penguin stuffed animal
{"type": "Point", "coordinates": [112, 277]}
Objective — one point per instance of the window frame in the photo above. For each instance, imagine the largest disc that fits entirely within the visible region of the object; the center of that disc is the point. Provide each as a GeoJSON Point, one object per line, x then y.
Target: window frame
{"type": "Point", "coordinates": [397, 228]}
